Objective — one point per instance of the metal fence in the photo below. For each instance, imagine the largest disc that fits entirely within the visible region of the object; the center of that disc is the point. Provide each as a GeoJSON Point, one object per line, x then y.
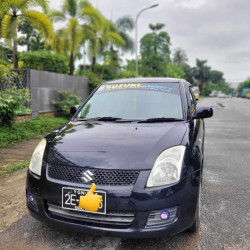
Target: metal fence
{"type": "Point", "coordinates": [44, 87]}
{"type": "Point", "coordinates": [16, 78]}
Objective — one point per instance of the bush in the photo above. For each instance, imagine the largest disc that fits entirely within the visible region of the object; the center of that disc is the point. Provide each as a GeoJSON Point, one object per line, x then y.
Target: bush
{"type": "Point", "coordinates": [29, 129]}
{"type": "Point", "coordinates": [11, 103]}
{"type": "Point", "coordinates": [4, 70]}
{"type": "Point", "coordinates": [175, 71]}
{"type": "Point", "coordinates": [104, 72]}
{"type": "Point", "coordinates": [44, 60]}
{"type": "Point", "coordinates": [219, 86]}
{"type": "Point", "coordinates": [94, 80]}
{"type": "Point", "coordinates": [66, 100]}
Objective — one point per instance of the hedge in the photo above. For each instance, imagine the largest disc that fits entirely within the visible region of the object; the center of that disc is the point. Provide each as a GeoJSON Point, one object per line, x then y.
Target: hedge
{"type": "Point", "coordinates": [44, 60]}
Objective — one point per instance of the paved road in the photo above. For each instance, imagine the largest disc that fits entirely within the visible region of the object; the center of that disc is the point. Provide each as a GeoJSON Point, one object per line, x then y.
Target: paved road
{"type": "Point", "coordinates": [225, 210]}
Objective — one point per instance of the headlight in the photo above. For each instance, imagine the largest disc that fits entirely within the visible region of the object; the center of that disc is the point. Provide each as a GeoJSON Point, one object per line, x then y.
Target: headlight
{"type": "Point", "coordinates": [167, 167]}
{"type": "Point", "coordinates": [37, 158]}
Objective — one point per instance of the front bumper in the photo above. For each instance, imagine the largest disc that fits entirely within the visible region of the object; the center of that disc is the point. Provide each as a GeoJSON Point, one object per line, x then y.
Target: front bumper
{"type": "Point", "coordinates": [130, 199]}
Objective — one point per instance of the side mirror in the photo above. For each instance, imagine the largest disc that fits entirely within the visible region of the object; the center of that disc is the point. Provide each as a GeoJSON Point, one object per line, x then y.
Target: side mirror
{"type": "Point", "coordinates": [203, 112]}
{"type": "Point", "coordinates": [74, 109]}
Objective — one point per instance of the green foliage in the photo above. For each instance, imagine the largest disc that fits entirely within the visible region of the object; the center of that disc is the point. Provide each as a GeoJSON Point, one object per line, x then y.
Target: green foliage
{"type": "Point", "coordinates": [220, 86]}
{"type": "Point", "coordinates": [127, 74]}
{"type": "Point", "coordinates": [5, 54]}
{"type": "Point", "coordinates": [245, 84]}
{"type": "Point", "coordinates": [65, 101]}
{"type": "Point", "coordinates": [201, 74]}
{"type": "Point", "coordinates": [94, 80]}
{"type": "Point", "coordinates": [12, 167]}
{"type": "Point", "coordinates": [81, 21]}
{"type": "Point", "coordinates": [104, 72]}
{"type": "Point", "coordinates": [175, 71]}
{"type": "Point", "coordinates": [31, 37]}
{"type": "Point", "coordinates": [11, 103]}
{"type": "Point", "coordinates": [131, 65]}
{"type": "Point", "coordinates": [101, 37]}
{"type": "Point", "coordinates": [10, 13]}
{"type": "Point", "coordinates": [29, 129]}
{"type": "Point", "coordinates": [155, 51]}
{"type": "Point", "coordinates": [44, 60]}
{"type": "Point", "coordinates": [3, 73]}
{"type": "Point", "coordinates": [180, 57]}
{"type": "Point", "coordinates": [188, 73]}
{"type": "Point", "coordinates": [216, 76]}
{"type": "Point", "coordinates": [19, 165]}
{"type": "Point", "coordinates": [124, 25]}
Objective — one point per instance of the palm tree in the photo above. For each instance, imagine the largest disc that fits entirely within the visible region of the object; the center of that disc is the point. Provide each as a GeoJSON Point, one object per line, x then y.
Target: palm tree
{"type": "Point", "coordinates": [124, 25]}
{"type": "Point", "coordinates": [180, 57]}
{"type": "Point", "coordinates": [10, 13]}
{"type": "Point", "coordinates": [101, 37]}
{"type": "Point", "coordinates": [79, 15]}
{"type": "Point", "coordinates": [201, 73]}
{"type": "Point", "coordinates": [156, 27]}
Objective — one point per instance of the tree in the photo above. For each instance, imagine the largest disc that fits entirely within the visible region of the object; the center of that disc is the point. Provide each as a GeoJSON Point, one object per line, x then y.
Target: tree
{"type": "Point", "coordinates": [180, 57]}
{"type": "Point", "coordinates": [79, 16]}
{"type": "Point", "coordinates": [201, 73]}
{"type": "Point", "coordinates": [216, 76]}
{"type": "Point", "coordinates": [102, 37]}
{"type": "Point", "coordinates": [245, 84]}
{"type": "Point", "coordinates": [155, 51]}
{"type": "Point", "coordinates": [10, 13]}
{"type": "Point", "coordinates": [124, 25]}
{"type": "Point", "coordinates": [31, 37]}
{"type": "Point", "coordinates": [189, 73]}
{"type": "Point", "coordinates": [175, 71]}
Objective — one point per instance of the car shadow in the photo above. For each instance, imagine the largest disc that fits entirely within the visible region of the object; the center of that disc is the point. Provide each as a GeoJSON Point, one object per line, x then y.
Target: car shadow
{"type": "Point", "coordinates": [28, 233]}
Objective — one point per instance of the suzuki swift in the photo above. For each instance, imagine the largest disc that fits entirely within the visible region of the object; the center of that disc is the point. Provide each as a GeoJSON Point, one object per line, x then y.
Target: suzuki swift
{"type": "Point", "coordinates": [128, 164]}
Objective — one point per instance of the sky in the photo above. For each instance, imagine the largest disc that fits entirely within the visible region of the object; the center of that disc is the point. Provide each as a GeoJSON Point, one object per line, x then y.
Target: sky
{"type": "Point", "coordinates": [214, 30]}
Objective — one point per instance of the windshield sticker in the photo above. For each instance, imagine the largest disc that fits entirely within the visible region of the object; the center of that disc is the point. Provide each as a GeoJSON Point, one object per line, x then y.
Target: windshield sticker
{"type": "Point", "coordinates": [111, 87]}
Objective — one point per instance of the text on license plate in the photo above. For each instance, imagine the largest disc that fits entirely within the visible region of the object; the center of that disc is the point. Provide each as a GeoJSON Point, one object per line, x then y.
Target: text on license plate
{"type": "Point", "coordinates": [71, 196]}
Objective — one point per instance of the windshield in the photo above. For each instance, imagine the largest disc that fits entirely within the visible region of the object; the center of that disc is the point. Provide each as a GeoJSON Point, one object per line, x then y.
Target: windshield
{"type": "Point", "coordinates": [134, 102]}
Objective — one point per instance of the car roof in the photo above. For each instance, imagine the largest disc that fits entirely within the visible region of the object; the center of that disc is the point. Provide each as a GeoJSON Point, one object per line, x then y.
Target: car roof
{"type": "Point", "coordinates": [148, 80]}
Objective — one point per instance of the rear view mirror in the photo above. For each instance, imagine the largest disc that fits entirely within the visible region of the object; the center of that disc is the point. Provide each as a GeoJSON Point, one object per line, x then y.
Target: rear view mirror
{"type": "Point", "coordinates": [203, 112]}
{"type": "Point", "coordinates": [74, 109]}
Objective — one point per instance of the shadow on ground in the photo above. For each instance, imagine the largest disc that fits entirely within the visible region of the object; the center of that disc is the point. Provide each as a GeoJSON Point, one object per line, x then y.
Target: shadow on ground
{"type": "Point", "coordinates": [32, 234]}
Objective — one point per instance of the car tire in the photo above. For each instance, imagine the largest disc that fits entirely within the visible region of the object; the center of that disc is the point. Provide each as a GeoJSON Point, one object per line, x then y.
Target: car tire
{"type": "Point", "coordinates": [196, 225]}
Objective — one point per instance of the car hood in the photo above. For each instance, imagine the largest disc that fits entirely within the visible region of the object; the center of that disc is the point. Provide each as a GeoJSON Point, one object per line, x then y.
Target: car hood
{"type": "Point", "coordinates": [109, 145]}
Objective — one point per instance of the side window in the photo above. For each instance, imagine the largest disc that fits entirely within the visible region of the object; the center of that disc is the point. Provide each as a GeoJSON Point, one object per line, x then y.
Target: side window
{"type": "Point", "coordinates": [192, 101]}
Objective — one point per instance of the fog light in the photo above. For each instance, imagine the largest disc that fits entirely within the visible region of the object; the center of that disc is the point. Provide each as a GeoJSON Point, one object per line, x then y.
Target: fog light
{"type": "Point", "coordinates": [32, 201]}
{"type": "Point", "coordinates": [164, 215]}
{"type": "Point", "coordinates": [30, 198]}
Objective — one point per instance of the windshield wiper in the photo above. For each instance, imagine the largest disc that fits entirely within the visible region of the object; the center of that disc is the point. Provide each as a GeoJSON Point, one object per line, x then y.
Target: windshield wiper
{"type": "Point", "coordinates": [108, 119]}
{"type": "Point", "coordinates": [160, 119]}
{"type": "Point", "coordinates": [105, 118]}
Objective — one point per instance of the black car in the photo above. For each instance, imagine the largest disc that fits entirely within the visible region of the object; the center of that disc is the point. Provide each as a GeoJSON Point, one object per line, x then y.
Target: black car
{"type": "Point", "coordinates": [140, 143]}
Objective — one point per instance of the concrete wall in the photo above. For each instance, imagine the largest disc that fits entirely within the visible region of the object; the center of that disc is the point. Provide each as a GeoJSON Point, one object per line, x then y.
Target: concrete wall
{"type": "Point", "coordinates": [44, 87]}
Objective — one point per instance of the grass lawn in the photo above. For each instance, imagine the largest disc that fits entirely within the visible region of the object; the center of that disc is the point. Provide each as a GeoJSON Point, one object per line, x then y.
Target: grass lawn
{"type": "Point", "coordinates": [29, 129]}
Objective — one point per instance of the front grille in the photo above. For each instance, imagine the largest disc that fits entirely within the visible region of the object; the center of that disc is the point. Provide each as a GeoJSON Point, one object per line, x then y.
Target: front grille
{"type": "Point", "coordinates": [100, 176]}
{"type": "Point", "coordinates": [111, 218]}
